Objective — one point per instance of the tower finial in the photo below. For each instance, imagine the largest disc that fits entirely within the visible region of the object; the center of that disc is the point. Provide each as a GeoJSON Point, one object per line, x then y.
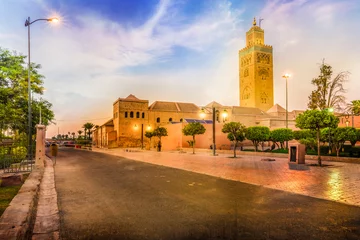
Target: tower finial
{"type": "Point", "coordinates": [254, 22]}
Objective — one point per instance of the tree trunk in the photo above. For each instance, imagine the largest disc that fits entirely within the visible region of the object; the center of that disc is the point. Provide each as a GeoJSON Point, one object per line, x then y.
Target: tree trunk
{"type": "Point", "coordinates": [318, 146]}
{"type": "Point", "coordinates": [235, 149]}
{"type": "Point", "coordinates": [193, 144]}
{"type": "Point", "coordinates": [256, 145]}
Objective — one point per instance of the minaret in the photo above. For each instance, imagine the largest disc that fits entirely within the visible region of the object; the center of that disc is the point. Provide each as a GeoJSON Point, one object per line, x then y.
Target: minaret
{"type": "Point", "coordinates": [256, 71]}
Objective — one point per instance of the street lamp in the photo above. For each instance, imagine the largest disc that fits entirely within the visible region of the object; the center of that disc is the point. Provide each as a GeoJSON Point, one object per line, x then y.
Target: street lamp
{"type": "Point", "coordinates": [215, 117]}
{"type": "Point", "coordinates": [27, 24]}
{"type": "Point", "coordinates": [286, 76]}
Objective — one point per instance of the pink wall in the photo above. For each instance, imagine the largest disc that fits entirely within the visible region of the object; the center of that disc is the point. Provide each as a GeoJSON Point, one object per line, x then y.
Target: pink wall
{"type": "Point", "coordinates": [176, 139]}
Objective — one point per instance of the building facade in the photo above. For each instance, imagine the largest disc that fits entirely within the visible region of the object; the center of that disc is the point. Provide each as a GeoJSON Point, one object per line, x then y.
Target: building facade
{"type": "Point", "coordinates": [256, 71]}
{"type": "Point", "coordinates": [132, 116]}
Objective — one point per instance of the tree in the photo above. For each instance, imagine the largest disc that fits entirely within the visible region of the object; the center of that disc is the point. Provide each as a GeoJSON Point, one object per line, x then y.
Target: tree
{"type": "Point", "coordinates": [281, 135]}
{"type": "Point", "coordinates": [341, 135]}
{"type": "Point", "coordinates": [193, 129]}
{"type": "Point", "coordinates": [79, 132]}
{"type": "Point", "coordinates": [329, 92]}
{"type": "Point", "coordinates": [316, 120]}
{"type": "Point", "coordinates": [88, 127]}
{"type": "Point", "coordinates": [257, 135]}
{"type": "Point", "coordinates": [14, 96]}
{"type": "Point", "coordinates": [160, 132]}
{"type": "Point", "coordinates": [236, 133]}
{"type": "Point", "coordinates": [149, 135]}
{"type": "Point", "coordinates": [73, 134]}
{"type": "Point", "coordinates": [353, 141]}
{"type": "Point", "coordinates": [354, 107]}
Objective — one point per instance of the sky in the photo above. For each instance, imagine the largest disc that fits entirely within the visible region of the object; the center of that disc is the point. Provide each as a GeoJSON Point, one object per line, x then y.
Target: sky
{"type": "Point", "coordinates": [175, 50]}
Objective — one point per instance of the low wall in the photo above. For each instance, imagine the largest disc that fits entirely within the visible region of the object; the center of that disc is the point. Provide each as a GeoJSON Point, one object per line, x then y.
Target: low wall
{"type": "Point", "coordinates": [18, 219]}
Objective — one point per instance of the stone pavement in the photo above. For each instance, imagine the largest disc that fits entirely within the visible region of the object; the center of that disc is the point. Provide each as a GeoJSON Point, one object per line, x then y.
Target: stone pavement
{"type": "Point", "coordinates": [47, 222]}
{"type": "Point", "coordinates": [338, 182]}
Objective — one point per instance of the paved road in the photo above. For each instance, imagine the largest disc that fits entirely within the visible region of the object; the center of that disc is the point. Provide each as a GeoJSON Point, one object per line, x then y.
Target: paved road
{"type": "Point", "coordinates": [110, 197]}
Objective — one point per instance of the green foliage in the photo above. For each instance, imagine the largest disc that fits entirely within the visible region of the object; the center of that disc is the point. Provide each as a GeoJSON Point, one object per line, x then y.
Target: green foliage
{"type": "Point", "coordinates": [354, 107]}
{"type": "Point", "coordinates": [14, 93]}
{"type": "Point", "coordinates": [257, 135]}
{"type": "Point", "coordinates": [236, 133]}
{"type": "Point", "coordinates": [149, 134]}
{"type": "Point", "coordinates": [20, 152]}
{"type": "Point", "coordinates": [341, 135]}
{"type": "Point", "coordinates": [304, 133]}
{"type": "Point", "coordinates": [316, 120]}
{"type": "Point", "coordinates": [160, 132]}
{"type": "Point", "coordinates": [87, 128]}
{"type": "Point", "coordinates": [310, 143]}
{"type": "Point", "coordinates": [281, 135]}
{"type": "Point", "coordinates": [193, 129]}
{"type": "Point", "coordinates": [329, 92]}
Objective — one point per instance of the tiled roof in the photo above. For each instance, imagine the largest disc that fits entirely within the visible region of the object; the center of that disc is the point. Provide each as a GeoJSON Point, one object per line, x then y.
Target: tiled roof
{"type": "Point", "coordinates": [214, 104]}
{"type": "Point", "coordinates": [276, 108]}
{"type": "Point", "coordinates": [247, 111]}
{"type": "Point", "coordinates": [188, 107]}
{"type": "Point", "coordinates": [173, 107]}
{"type": "Point", "coordinates": [130, 98]}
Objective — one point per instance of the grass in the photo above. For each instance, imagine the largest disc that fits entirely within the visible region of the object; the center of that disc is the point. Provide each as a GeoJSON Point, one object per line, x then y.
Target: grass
{"type": "Point", "coordinates": [7, 194]}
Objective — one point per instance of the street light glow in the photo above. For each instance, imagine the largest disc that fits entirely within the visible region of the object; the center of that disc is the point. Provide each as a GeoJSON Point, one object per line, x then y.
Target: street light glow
{"type": "Point", "coordinates": [286, 75]}
{"type": "Point", "coordinates": [202, 114]}
{"type": "Point", "coordinates": [54, 20]}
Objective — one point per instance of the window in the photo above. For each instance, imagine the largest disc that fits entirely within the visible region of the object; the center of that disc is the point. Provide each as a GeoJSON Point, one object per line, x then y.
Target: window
{"type": "Point", "coordinates": [137, 115]}
{"type": "Point", "coordinates": [170, 119]}
{"type": "Point", "coordinates": [143, 115]}
{"type": "Point", "coordinates": [126, 114]}
{"type": "Point", "coordinates": [158, 120]}
{"type": "Point", "coordinates": [131, 115]}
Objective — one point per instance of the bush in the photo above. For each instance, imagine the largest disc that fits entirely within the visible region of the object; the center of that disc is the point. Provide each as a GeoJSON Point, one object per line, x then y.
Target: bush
{"type": "Point", "coordinates": [280, 150]}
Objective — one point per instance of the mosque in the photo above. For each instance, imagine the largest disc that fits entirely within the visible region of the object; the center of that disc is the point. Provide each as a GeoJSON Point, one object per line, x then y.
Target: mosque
{"type": "Point", "coordinates": [133, 116]}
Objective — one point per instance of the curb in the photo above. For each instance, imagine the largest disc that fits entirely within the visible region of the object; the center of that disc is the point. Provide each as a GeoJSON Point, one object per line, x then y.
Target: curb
{"type": "Point", "coordinates": [47, 221]}
{"type": "Point", "coordinates": [18, 219]}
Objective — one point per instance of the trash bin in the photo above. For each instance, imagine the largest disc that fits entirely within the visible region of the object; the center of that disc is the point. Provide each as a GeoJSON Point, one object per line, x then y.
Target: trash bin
{"type": "Point", "coordinates": [54, 149]}
{"type": "Point", "coordinates": [296, 153]}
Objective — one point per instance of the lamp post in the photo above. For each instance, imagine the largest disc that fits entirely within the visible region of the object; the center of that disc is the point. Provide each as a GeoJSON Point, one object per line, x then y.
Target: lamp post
{"type": "Point", "coordinates": [28, 22]}
{"type": "Point", "coordinates": [215, 114]}
{"type": "Point", "coordinates": [330, 110]}
{"type": "Point", "coordinates": [286, 76]}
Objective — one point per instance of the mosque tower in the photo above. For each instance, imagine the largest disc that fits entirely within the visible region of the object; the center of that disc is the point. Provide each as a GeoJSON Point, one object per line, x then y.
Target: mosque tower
{"type": "Point", "coordinates": [256, 71]}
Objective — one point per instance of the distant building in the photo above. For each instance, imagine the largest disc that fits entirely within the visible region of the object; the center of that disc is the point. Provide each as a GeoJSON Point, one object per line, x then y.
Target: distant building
{"type": "Point", "coordinates": [132, 117]}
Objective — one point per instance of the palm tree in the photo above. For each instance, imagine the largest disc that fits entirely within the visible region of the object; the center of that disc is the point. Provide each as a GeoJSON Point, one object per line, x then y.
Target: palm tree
{"type": "Point", "coordinates": [79, 132]}
{"type": "Point", "coordinates": [352, 109]}
{"type": "Point", "coordinates": [73, 134]}
{"type": "Point", "coordinates": [88, 127]}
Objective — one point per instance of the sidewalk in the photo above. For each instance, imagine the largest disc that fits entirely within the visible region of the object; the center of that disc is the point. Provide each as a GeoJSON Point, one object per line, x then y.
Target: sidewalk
{"type": "Point", "coordinates": [338, 182]}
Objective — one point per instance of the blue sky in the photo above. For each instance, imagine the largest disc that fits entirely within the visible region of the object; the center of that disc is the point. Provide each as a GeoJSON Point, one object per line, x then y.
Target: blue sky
{"type": "Point", "coordinates": [175, 50]}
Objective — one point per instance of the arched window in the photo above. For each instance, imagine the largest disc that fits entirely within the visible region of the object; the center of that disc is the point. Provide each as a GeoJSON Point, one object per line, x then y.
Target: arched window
{"type": "Point", "coordinates": [131, 115]}
{"type": "Point", "coordinates": [126, 114]}
{"type": "Point", "coordinates": [158, 120]}
{"type": "Point", "coordinates": [181, 120]}
{"type": "Point", "coordinates": [143, 115]}
{"type": "Point", "coordinates": [170, 119]}
{"type": "Point", "coordinates": [137, 115]}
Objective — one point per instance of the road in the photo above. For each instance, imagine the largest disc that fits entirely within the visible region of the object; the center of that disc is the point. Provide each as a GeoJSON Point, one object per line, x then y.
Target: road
{"type": "Point", "coordinates": [109, 197]}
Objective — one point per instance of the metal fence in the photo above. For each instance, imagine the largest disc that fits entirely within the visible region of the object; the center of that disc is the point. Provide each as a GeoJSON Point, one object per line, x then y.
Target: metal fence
{"type": "Point", "coordinates": [15, 155]}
